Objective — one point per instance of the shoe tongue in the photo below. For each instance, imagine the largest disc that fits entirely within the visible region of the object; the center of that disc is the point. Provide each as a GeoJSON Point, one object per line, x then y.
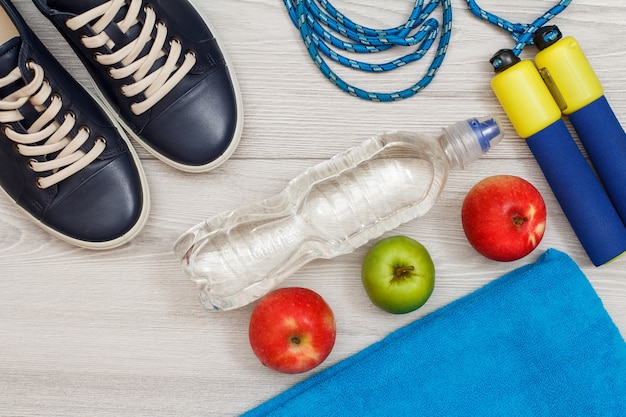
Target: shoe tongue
{"type": "Point", "coordinates": [9, 54]}
{"type": "Point", "coordinates": [9, 60]}
{"type": "Point", "coordinates": [77, 7]}
{"type": "Point", "coordinates": [74, 6]}
{"type": "Point", "coordinates": [81, 6]}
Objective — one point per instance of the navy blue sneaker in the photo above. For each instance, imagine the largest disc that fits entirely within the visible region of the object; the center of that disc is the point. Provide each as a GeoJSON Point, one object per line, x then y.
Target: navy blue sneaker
{"type": "Point", "coordinates": [161, 70]}
{"type": "Point", "coordinates": [62, 160]}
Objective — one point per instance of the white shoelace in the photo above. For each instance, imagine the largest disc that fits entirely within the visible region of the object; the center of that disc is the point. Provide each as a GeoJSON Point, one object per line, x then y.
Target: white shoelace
{"type": "Point", "coordinates": [46, 136]}
{"type": "Point", "coordinates": [154, 85]}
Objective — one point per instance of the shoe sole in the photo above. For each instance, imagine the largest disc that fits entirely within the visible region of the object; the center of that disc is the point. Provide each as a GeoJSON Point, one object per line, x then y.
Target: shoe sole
{"type": "Point", "coordinates": [104, 103]}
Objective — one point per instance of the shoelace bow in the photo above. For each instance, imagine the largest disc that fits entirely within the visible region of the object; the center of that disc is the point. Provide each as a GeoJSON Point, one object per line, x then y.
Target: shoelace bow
{"type": "Point", "coordinates": [46, 137]}
{"type": "Point", "coordinates": [126, 61]}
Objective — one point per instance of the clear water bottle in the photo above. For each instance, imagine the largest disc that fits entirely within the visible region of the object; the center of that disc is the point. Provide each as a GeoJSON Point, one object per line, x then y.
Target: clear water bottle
{"type": "Point", "coordinates": [330, 209]}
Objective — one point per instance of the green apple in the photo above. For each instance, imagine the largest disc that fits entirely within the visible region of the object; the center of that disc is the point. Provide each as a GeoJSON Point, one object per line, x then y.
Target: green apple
{"type": "Point", "coordinates": [398, 274]}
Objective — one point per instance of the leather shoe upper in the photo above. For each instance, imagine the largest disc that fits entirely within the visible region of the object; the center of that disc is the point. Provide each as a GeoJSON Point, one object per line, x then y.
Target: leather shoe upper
{"type": "Point", "coordinates": [161, 69]}
{"type": "Point", "coordinates": [61, 158]}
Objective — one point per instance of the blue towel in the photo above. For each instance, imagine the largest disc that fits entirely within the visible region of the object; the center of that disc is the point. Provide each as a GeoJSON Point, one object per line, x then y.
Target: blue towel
{"type": "Point", "coordinates": [535, 342]}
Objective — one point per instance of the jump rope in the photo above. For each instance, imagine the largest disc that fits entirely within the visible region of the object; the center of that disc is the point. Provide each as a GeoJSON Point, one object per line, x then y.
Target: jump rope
{"type": "Point", "coordinates": [319, 24]}
{"type": "Point", "coordinates": [536, 95]}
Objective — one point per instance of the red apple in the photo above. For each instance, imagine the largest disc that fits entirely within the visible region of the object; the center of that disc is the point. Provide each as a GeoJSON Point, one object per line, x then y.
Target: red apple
{"type": "Point", "coordinates": [504, 217]}
{"type": "Point", "coordinates": [292, 330]}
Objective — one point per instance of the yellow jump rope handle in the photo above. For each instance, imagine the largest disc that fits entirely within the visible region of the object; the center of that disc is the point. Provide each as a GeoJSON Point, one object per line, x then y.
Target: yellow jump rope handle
{"type": "Point", "coordinates": [579, 93]}
{"type": "Point", "coordinates": [537, 118]}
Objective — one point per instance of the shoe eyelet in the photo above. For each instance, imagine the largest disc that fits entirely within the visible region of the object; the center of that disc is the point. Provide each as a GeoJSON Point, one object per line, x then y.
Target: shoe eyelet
{"type": "Point", "coordinates": [191, 52]}
{"type": "Point", "coordinates": [70, 114]}
{"type": "Point", "coordinates": [38, 181]}
{"type": "Point", "coordinates": [101, 139]}
{"type": "Point", "coordinates": [96, 56]}
{"type": "Point", "coordinates": [86, 129]}
{"type": "Point", "coordinates": [56, 96]}
{"type": "Point", "coordinates": [31, 163]}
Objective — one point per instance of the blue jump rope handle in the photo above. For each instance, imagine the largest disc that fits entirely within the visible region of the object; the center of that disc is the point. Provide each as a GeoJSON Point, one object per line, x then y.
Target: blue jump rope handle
{"type": "Point", "coordinates": [605, 142]}
{"type": "Point", "coordinates": [579, 193]}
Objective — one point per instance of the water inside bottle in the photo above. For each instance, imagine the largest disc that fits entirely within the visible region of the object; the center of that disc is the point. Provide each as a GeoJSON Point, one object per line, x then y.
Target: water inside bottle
{"type": "Point", "coordinates": [330, 210]}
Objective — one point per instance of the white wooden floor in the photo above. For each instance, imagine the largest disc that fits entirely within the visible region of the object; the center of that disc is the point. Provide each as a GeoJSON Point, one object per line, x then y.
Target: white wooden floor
{"type": "Point", "coordinates": [121, 333]}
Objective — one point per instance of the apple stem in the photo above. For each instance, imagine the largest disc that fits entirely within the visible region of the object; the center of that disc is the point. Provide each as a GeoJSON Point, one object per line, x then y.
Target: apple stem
{"type": "Point", "coordinates": [402, 271]}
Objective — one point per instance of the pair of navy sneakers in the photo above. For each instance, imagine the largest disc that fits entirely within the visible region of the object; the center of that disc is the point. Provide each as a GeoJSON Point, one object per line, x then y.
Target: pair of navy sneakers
{"type": "Point", "coordinates": [162, 79]}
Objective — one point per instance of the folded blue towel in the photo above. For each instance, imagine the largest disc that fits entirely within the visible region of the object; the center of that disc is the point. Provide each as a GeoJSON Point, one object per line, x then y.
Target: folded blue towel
{"type": "Point", "coordinates": [536, 342]}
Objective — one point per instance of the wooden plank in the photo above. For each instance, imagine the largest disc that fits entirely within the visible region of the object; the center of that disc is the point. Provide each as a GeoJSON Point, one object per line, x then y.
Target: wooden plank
{"type": "Point", "coordinates": [121, 333]}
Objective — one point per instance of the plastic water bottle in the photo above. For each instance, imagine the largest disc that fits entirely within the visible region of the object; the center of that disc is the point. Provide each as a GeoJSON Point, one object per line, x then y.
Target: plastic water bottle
{"type": "Point", "coordinates": [330, 209]}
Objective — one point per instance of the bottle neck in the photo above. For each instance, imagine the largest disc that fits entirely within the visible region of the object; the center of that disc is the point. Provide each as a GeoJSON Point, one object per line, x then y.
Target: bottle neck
{"type": "Point", "coordinates": [452, 156]}
{"type": "Point", "coordinates": [466, 141]}
{"type": "Point", "coordinates": [457, 152]}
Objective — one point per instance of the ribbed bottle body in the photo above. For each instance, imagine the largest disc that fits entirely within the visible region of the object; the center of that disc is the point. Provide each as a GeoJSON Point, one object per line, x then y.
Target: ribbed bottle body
{"type": "Point", "coordinates": [329, 210]}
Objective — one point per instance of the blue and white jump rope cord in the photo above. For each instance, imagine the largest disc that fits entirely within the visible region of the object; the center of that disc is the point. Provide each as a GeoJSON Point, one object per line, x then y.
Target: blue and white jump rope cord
{"type": "Point", "coordinates": [319, 23]}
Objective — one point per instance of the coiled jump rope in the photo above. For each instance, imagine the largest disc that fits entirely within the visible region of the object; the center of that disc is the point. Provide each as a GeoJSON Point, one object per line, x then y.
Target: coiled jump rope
{"type": "Point", "coordinates": [326, 32]}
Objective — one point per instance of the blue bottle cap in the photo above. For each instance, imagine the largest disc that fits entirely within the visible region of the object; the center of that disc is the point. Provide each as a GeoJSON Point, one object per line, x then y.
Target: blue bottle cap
{"type": "Point", "coordinates": [467, 140]}
{"type": "Point", "coordinates": [487, 130]}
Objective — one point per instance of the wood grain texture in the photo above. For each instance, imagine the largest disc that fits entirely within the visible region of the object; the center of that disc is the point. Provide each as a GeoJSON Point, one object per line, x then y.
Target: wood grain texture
{"type": "Point", "coordinates": [121, 333]}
